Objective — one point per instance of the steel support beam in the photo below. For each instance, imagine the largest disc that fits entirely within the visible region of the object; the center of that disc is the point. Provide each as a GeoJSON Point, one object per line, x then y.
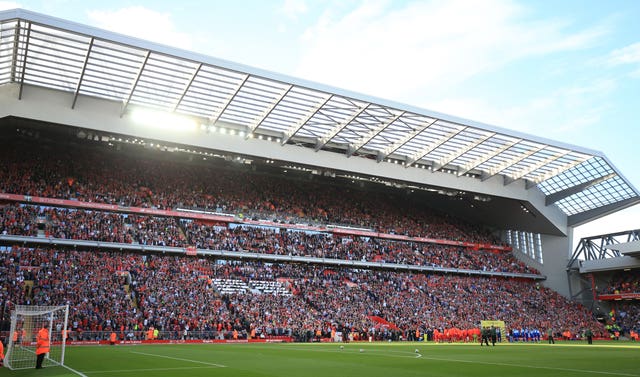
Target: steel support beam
{"type": "Point", "coordinates": [24, 62]}
{"type": "Point", "coordinates": [339, 127]}
{"type": "Point", "coordinates": [84, 69]}
{"type": "Point", "coordinates": [507, 164]}
{"type": "Point", "coordinates": [216, 116]}
{"type": "Point", "coordinates": [135, 83]}
{"type": "Point", "coordinates": [452, 156]}
{"type": "Point", "coordinates": [556, 196]}
{"type": "Point", "coordinates": [268, 111]}
{"type": "Point", "coordinates": [408, 137]}
{"type": "Point", "coordinates": [186, 88]}
{"type": "Point", "coordinates": [353, 148]}
{"type": "Point", "coordinates": [294, 130]}
{"type": "Point", "coordinates": [479, 161]}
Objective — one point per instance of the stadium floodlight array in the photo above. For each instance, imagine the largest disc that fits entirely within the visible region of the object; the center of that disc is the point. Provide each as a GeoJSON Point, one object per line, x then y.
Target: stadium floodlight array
{"type": "Point", "coordinates": [26, 321]}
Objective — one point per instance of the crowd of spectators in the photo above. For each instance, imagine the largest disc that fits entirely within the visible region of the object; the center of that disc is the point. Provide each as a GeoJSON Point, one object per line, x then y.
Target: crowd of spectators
{"type": "Point", "coordinates": [324, 245]}
{"type": "Point", "coordinates": [626, 316]}
{"type": "Point", "coordinates": [80, 224]}
{"type": "Point", "coordinates": [130, 292]}
{"type": "Point", "coordinates": [153, 180]}
{"type": "Point", "coordinates": [103, 226]}
{"type": "Point", "coordinates": [623, 282]}
{"type": "Point", "coordinates": [19, 220]}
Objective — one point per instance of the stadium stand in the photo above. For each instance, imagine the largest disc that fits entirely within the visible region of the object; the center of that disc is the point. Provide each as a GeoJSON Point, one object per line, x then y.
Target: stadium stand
{"type": "Point", "coordinates": [80, 224]}
{"type": "Point", "coordinates": [192, 297]}
{"type": "Point", "coordinates": [624, 282]}
{"type": "Point", "coordinates": [199, 235]}
{"type": "Point", "coordinates": [625, 317]}
{"type": "Point", "coordinates": [95, 175]}
{"type": "Point", "coordinates": [622, 291]}
{"type": "Point", "coordinates": [175, 294]}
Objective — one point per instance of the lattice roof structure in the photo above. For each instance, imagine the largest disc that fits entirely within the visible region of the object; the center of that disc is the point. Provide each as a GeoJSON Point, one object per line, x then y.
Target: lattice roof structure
{"type": "Point", "coordinates": [42, 51]}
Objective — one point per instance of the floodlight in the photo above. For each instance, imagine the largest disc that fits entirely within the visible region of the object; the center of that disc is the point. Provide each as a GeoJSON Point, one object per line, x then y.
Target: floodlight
{"type": "Point", "coordinates": [163, 120]}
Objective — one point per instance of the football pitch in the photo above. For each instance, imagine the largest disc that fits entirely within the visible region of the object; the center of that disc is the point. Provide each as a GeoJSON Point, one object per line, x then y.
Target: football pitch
{"type": "Point", "coordinates": [355, 359]}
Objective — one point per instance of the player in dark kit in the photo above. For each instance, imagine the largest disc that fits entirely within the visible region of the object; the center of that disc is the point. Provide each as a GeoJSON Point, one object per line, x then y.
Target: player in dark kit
{"type": "Point", "coordinates": [484, 334]}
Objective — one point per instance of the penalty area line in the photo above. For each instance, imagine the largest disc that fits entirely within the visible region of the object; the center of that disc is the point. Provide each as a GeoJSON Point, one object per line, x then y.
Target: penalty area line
{"type": "Point", "coordinates": [180, 359]}
{"type": "Point", "coordinates": [74, 371]}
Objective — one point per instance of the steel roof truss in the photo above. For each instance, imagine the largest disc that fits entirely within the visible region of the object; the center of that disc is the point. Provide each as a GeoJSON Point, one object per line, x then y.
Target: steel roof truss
{"type": "Point", "coordinates": [580, 218]}
{"type": "Point", "coordinates": [14, 55]}
{"type": "Point", "coordinates": [322, 141]}
{"type": "Point", "coordinates": [269, 109]}
{"type": "Point", "coordinates": [84, 69]}
{"type": "Point", "coordinates": [508, 163]}
{"type": "Point", "coordinates": [216, 116]}
{"type": "Point", "coordinates": [556, 196]}
{"type": "Point", "coordinates": [429, 148]}
{"type": "Point", "coordinates": [486, 157]}
{"type": "Point", "coordinates": [24, 61]}
{"type": "Point", "coordinates": [353, 148]}
{"type": "Point", "coordinates": [187, 87]}
{"type": "Point", "coordinates": [408, 137]}
{"type": "Point", "coordinates": [135, 83]}
{"type": "Point", "coordinates": [302, 122]}
{"type": "Point", "coordinates": [459, 152]}
{"type": "Point", "coordinates": [562, 168]}
{"type": "Point", "coordinates": [531, 168]}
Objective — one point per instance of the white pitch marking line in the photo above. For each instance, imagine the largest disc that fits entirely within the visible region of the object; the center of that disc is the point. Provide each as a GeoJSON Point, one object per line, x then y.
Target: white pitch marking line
{"type": "Point", "coordinates": [177, 358]}
{"type": "Point", "coordinates": [75, 371]}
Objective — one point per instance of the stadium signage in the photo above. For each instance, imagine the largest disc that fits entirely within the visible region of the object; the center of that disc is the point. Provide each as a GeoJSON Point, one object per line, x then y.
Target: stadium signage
{"type": "Point", "coordinates": [178, 341]}
{"type": "Point", "coordinates": [620, 296]}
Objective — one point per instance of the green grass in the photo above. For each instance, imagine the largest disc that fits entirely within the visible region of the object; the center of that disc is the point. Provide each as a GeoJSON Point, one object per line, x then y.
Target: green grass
{"type": "Point", "coordinates": [328, 360]}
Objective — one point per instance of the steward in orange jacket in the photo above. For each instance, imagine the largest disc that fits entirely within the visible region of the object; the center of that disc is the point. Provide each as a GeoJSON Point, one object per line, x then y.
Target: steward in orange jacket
{"type": "Point", "coordinates": [42, 346]}
{"type": "Point", "coordinates": [1, 352]}
{"type": "Point", "coordinates": [150, 333]}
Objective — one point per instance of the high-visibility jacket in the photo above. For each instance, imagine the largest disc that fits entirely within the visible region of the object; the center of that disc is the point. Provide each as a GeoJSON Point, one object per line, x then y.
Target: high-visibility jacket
{"type": "Point", "coordinates": [42, 341]}
{"type": "Point", "coordinates": [1, 352]}
{"type": "Point", "coordinates": [112, 338]}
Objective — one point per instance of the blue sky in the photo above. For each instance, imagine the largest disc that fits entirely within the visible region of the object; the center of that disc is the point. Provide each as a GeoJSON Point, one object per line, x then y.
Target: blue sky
{"type": "Point", "coordinates": [564, 70]}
